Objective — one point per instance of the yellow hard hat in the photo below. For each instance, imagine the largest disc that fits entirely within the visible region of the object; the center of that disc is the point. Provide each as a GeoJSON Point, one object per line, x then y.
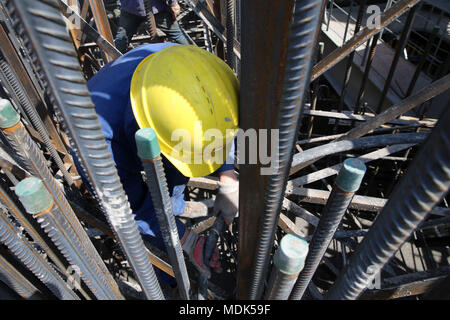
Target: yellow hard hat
{"type": "Point", "coordinates": [190, 98]}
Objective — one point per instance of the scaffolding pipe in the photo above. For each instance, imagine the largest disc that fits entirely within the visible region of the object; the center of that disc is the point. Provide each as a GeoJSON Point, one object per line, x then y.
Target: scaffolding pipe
{"type": "Point", "coordinates": [347, 183]}
{"type": "Point", "coordinates": [297, 70]}
{"type": "Point", "coordinates": [34, 162]}
{"type": "Point", "coordinates": [149, 152]}
{"type": "Point", "coordinates": [25, 253]}
{"type": "Point", "coordinates": [288, 262]}
{"type": "Point", "coordinates": [425, 184]}
{"type": "Point", "coordinates": [10, 276]}
{"type": "Point", "coordinates": [55, 56]}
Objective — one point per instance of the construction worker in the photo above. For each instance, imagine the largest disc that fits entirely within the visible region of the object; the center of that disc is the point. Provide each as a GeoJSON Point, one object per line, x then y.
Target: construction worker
{"type": "Point", "coordinates": [171, 88]}
{"type": "Point", "coordinates": [132, 15]}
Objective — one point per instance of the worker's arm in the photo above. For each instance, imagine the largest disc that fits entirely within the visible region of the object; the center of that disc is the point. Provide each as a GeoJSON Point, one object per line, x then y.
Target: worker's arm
{"type": "Point", "coordinates": [227, 199]}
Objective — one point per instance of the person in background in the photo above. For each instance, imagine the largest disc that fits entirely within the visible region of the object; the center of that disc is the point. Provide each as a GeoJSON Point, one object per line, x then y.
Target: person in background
{"type": "Point", "coordinates": [133, 15]}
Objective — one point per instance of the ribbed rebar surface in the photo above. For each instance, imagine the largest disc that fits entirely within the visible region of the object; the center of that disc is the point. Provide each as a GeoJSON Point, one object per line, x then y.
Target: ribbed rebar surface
{"type": "Point", "coordinates": [157, 184]}
{"type": "Point", "coordinates": [34, 117]}
{"type": "Point", "coordinates": [43, 29]}
{"type": "Point", "coordinates": [9, 204]}
{"type": "Point", "coordinates": [230, 32]}
{"type": "Point", "coordinates": [93, 269]}
{"type": "Point", "coordinates": [24, 251]}
{"type": "Point", "coordinates": [58, 230]}
{"type": "Point", "coordinates": [298, 64]}
{"type": "Point", "coordinates": [332, 214]}
{"type": "Point", "coordinates": [17, 282]}
{"type": "Point", "coordinates": [280, 285]}
{"type": "Point", "coordinates": [424, 185]}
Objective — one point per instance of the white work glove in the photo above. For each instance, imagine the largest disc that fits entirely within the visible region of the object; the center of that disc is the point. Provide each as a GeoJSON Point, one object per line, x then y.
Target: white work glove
{"type": "Point", "coordinates": [227, 201]}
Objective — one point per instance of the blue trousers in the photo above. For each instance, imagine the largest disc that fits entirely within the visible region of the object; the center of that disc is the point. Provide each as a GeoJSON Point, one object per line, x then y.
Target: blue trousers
{"type": "Point", "coordinates": [129, 23]}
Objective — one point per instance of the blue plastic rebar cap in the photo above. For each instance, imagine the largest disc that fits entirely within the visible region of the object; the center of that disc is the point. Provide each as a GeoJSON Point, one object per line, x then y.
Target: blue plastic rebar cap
{"type": "Point", "coordinates": [147, 143]}
{"type": "Point", "coordinates": [351, 174]}
{"type": "Point", "coordinates": [34, 196]}
{"type": "Point", "coordinates": [291, 254]}
{"type": "Point", "coordinates": [8, 116]}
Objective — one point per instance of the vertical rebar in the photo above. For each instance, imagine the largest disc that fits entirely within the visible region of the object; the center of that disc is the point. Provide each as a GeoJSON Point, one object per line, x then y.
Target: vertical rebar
{"type": "Point", "coordinates": [348, 68]}
{"type": "Point", "coordinates": [302, 39]}
{"type": "Point", "coordinates": [373, 49]}
{"type": "Point", "coordinates": [330, 12]}
{"type": "Point", "coordinates": [425, 184]}
{"type": "Point", "coordinates": [288, 262]}
{"type": "Point", "coordinates": [44, 31]}
{"type": "Point", "coordinates": [150, 154]}
{"type": "Point", "coordinates": [346, 184]}
{"type": "Point", "coordinates": [34, 161]}
{"type": "Point", "coordinates": [25, 253]}
{"type": "Point", "coordinates": [422, 60]}
{"type": "Point", "coordinates": [366, 33]}
{"type": "Point", "coordinates": [32, 114]}
{"type": "Point", "coordinates": [230, 33]}
{"type": "Point", "coordinates": [349, 16]}
{"type": "Point", "coordinates": [400, 46]}
{"type": "Point", "coordinates": [315, 92]}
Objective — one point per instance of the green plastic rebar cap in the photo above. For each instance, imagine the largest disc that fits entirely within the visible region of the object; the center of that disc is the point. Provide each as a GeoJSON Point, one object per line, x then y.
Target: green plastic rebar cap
{"type": "Point", "coordinates": [291, 254]}
{"type": "Point", "coordinates": [351, 174]}
{"type": "Point", "coordinates": [34, 196]}
{"type": "Point", "coordinates": [147, 143]}
{"type": "Point", "coordinates": [8, 116]}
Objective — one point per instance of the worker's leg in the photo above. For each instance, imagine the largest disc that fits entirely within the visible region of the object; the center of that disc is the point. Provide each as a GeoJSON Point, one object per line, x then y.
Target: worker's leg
{"type": "Point", "coordinates": [128, 26]}
{"type": "Point", "coordinates": [170, 26]}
